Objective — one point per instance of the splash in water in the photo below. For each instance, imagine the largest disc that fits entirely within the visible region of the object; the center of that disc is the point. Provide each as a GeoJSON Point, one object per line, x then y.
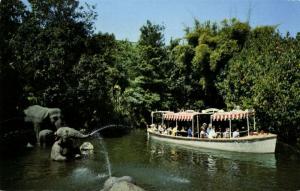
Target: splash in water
{"type": "Point", "coordinates": [103, 145]}
{"type": "Point", "coordinates": [106, 156]}
{"type": "Point", "coordinates": [102, 175]}
{"type": "Point", "coordinates": [178, 179]}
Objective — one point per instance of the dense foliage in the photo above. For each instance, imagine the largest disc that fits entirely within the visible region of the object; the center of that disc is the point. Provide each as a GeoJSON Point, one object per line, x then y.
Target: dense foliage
{"type": "Point", "coordinates": [266, 76]}
{"type": "Point", "coordinates": [51, 56]}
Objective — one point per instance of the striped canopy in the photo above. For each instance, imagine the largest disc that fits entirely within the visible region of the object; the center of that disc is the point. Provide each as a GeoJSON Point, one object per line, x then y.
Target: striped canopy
{"type": "Point", "coordinates": [232, 115]}
{"type": "Point", "coordinates": [181, 116]}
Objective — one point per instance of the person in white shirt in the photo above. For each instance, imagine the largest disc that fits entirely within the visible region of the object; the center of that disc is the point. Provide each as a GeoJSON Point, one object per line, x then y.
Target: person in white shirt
{"type": "Point", "coordinates": [226, 134]}
{"type": "Point", "coordinates": [236, 133]}
{"type": "Point", "coordinates": [160, 129]}
{"type": "Point", "coordinates": [202, 133]}
{"type": "Point", "coordinates": [208, 129]}
{"type": "Point", "coordinates": [212, 133]}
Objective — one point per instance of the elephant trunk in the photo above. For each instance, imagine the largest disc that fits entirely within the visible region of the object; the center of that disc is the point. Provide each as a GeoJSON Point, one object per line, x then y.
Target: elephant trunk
{"type": "Point", "coordinates": [80, 135]}
{"type": "Point", "coordinates": [57, 123]}
{"type": "Point", "coordinates": [67, 132]}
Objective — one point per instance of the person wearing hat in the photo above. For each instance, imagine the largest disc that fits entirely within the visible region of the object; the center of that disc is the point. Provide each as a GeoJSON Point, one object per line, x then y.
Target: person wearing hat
{"type": "Point", "coordinates": [202, 133]}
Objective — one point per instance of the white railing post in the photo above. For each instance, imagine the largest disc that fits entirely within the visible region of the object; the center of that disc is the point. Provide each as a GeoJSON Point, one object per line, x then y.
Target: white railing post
{"type": "Point", "coordinates": [192, 126]}
{"type": "Point", "coordinates": [230, 128]}
{"type": "Point", "coordinates": [198, 126]}
{"type": "Point", "coordinates": [248, 124]}
{"type": "Point", "coordinates": [151, 117]}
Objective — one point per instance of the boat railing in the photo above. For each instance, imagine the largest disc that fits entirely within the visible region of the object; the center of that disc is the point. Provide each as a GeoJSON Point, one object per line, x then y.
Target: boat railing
{"type": "Point", "coordinates": [160, 129]}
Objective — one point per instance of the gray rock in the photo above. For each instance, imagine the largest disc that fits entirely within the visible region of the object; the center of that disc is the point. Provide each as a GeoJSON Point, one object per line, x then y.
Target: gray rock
{"type": "Point", "coordinates": [124, 186]}
{"type": "Point", "coordinates": [124, 183]}
{"type": "Point", "coordinates": [86, 146]}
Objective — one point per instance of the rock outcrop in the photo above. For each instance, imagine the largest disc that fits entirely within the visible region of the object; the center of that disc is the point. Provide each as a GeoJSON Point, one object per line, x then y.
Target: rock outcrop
{"type": "Point", "coordinates": [86, 148]}
{"type": "Point", "coordinates": [124, 183]}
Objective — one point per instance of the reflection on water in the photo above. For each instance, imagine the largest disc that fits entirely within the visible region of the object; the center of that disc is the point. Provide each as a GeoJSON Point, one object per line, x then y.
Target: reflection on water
{"type": "Point", "coordinates": [214, 169]}
{"type": "Point", "coordinates": [159, 148]}
{"type": "Point", "coordinates": [211, 165]}
{"type": "Point", "coordinates": [154, 165]}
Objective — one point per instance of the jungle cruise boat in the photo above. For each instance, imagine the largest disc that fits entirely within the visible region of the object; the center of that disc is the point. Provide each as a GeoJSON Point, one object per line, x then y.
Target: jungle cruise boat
{"type": "Point", "coordinates": [184, 128]}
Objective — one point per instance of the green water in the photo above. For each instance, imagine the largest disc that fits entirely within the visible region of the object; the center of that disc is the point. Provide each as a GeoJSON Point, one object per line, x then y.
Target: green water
{"type": "Point", "coordinates": [154, 166]}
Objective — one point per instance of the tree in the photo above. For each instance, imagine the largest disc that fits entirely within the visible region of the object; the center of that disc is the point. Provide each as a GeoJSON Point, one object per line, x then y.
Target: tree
{"type": "Point", "coordinates": [147, 87]}
{"type": "Point", "coordinates": [265, 76]}
{"type": "Point", "coordinates": [12, 15]}
{"type": "Point", "coordinates": [203, 58]}
{"type": "Point", "coordinates": [47, 46]}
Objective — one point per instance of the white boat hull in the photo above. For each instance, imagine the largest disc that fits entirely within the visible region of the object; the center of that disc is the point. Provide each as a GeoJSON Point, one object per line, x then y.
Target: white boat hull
{"type": "Point", "coordinates": [251, 144]}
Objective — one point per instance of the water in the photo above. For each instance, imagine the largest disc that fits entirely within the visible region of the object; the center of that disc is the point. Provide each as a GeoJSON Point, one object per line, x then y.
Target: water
{"type": "Point", "coordinates": [154, 166]}
{"type": "Point", "coordinates": [103, 146]}
{"type": "Point", "coordinates": [106, 156]}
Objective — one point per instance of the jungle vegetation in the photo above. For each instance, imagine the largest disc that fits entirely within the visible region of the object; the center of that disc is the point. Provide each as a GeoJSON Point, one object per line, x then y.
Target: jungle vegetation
{"type": "Point", "coordinates": [51, 56]}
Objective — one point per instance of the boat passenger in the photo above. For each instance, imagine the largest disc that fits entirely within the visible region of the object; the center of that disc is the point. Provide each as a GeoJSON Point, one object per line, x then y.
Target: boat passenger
{"type": "Point", "coordinates": [204, 126]}
{"type": "Point", "coordinates": [165, 132]}
{"type": "Point", "coordinates": [226, 134]}
{"type": "Point", "coordinates": [160, 129]}
{"type": "Point", "coordinates": [152, 126]}
{"type": "Point", "coordinates": [174, 131]}
{"type": "Point", "coordinates": [212, 133]}
{"type": "Point", "coordinates": [236, 133]}
{"type": "Point", "coordinates": [202, 133]}
{"type": "Point", "coordinates": [190, 133]}
{"type": "Point", "coordinates": [218, 132]}
{"type": "Point", "coordinates": [208, 129]}
{"type": "Point", "coordinates": [169, 131]}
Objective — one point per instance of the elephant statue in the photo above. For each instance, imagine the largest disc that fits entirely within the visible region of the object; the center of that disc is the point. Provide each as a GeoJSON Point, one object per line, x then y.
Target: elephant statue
{"type": "Point", "coordinates": [43, 118]}
{"type": "Point", "coordinates": [46, 137]}
{"type": "Point", "coordinates": [56, 151]}
{"type": "Point", "coordinates": [67, 145]}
